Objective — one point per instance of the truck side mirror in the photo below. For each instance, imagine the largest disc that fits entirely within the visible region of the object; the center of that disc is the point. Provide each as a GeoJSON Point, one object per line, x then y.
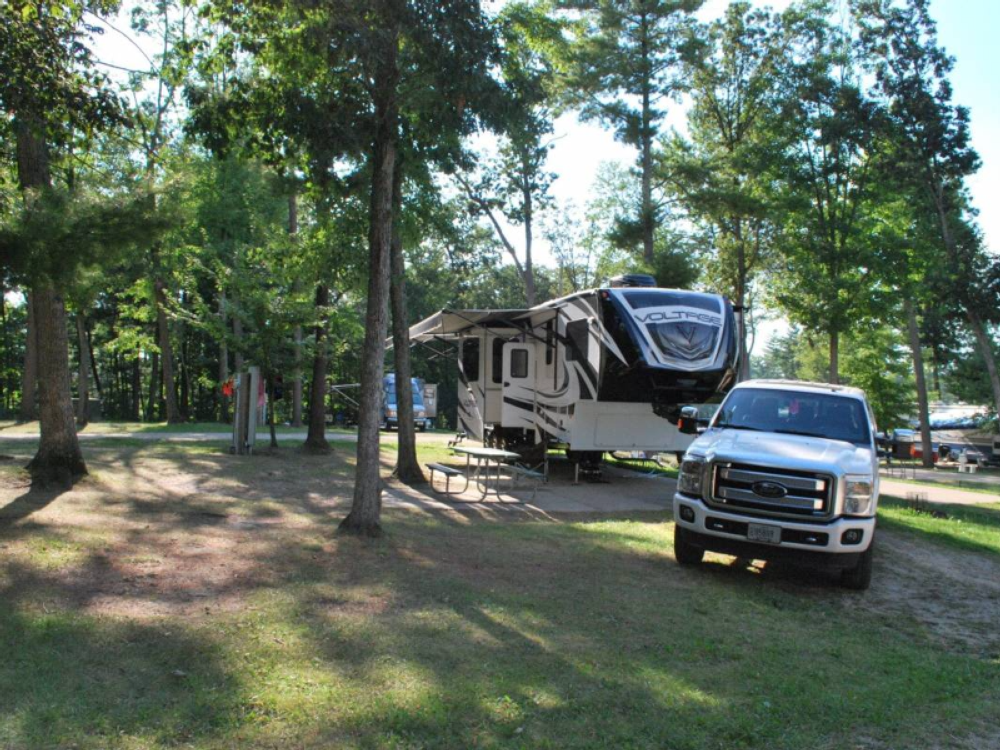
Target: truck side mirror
{"type": "Point", "coordinates": [688, 422]}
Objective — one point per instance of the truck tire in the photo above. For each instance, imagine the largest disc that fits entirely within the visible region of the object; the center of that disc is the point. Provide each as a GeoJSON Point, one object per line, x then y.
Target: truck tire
{"type": "Point", "coordinates": [859, 577]}
{"type": "Point", "coordinates": [686, 552]}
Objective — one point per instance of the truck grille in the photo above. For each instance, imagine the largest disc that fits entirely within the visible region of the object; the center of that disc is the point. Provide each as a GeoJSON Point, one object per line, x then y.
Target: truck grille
{"type": "Point", "coordinates": [758, 490]}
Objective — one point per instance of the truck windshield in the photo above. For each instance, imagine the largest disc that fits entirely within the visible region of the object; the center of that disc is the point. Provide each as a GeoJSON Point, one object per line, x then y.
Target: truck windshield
{"type": "Point", "coordinates": [795, 413]}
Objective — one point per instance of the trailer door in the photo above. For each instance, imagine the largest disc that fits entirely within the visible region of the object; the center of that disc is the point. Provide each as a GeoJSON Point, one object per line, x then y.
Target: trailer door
{"type": "Point", "coordinates": [518, 386]}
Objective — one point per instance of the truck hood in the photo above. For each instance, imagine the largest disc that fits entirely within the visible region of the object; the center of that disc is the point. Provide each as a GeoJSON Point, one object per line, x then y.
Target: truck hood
{"type": "Point", "coordinates": [836, 457]}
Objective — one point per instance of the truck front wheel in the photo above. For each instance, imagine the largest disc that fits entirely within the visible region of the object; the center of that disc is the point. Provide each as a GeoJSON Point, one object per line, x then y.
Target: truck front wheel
{"type": "Point", "coordinates": [859, 577]}
{"type": "Point", "coordinates": [686, 552]}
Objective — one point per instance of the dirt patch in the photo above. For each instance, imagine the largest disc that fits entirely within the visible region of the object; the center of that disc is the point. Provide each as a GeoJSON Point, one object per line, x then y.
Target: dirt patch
{"type": "Point", "coordinates": [953, 594]}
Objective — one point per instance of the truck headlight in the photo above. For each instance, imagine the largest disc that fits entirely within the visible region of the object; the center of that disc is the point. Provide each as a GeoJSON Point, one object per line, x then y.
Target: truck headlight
{"type": "Point", "coordinates": [689, 479]}
{"type": "Point", "coordinates": [858, 495]}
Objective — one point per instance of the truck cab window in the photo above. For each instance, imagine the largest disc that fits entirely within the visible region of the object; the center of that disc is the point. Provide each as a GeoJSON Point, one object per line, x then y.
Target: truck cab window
{"type": "Point", "coordinates": [470, 359]}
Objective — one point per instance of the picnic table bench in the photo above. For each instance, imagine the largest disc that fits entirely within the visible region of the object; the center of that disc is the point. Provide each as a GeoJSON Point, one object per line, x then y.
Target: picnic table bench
{"type": "Point", "coordinates": [448, 472]}
{"type": "Point", "coordinates": [490, 466]}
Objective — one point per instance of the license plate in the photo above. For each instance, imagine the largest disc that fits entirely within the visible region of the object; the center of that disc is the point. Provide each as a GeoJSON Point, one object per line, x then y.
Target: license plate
{"type": "Point", "coordinates": [759, 532]}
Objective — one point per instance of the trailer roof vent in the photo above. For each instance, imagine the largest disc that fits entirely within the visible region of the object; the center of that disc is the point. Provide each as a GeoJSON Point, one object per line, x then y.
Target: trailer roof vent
{"type": "Point", "coordinates": [632, 279]}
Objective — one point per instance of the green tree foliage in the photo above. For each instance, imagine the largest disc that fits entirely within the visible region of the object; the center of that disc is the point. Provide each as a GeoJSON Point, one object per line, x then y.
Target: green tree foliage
{"type": "Point", "coordinates": [877, 361]}
{"type": "Point", "coordinates": [722, 174]}
{"type": "Point", "coordinates": [513, 186]}
{"type": "Point", "coordinates": [626, 60]}
{"type": "Point", "coordinates": [611, 241]}
{"type": "Point", "coordinates": [780, 358]}
{"type": "Point", "coordinates": [827, 277]}
{"type": "Point", "coordinates": [967, 379]}
{"type": "Point", "coordinates": [49, 87]}
{"type": "Point", "coordinates": [899, 43]}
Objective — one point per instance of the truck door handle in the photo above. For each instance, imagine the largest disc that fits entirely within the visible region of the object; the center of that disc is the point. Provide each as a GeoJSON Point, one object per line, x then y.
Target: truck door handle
{"type": "Point", "coordinates": [506, 384]}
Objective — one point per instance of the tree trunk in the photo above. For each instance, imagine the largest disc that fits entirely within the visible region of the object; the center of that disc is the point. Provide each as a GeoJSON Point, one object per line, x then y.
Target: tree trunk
{"type": "Point", "coordinates": [185, 374]}
{"type": "Point", "coordinates": [293, 230]}
{"type": "Point", "coordinates": [985, 344]}
{"type": "Point", "coordinates": [366, 509]}
{"type": "Point", "coordinates": [407, 466]}
{"type": "Point", "coordinates": [529, 266]}
{"type": "Point", "coordinates": [918, 373]}
{"type": "Point", "coordinates": [835, 358]}
{"type": "Point", "coordinates": [153, 399]}
{"type": "Point", "coordinates": [741, 297]}
{"type": "Point", "coordinates": [270, 411]}
{"type": "Point", "coordinates": [936, 374]}
{"type": "Point", "coordinates": [82, 381]}
{"type": "Point", "coordinates": [646, 140]}
{"type": "Point", "coordinates": [58, 459]}
{"type": "Point", "coordinates": [297, 380]}
{"type": "Point", "coordinates": [648, 222]}
{"type": "Point", "coordinates": [316, 437]}
{"type": "Point", "coordinates": [223, 360]}
{"type": "Point", "coordinates": [238, 335]}
{"type": "Point", "coordinates": [5, 345]}
{"type": "Point", "coordinates": [136, 403]}
{"type": "Point", "coordinates": [29, 376]}
{"type": "Point", "coordinates": [978, 328]}
{"type": "Point", "coordinates": [166, 353]}
{"type": "Point", "coordinates": [93, 364]}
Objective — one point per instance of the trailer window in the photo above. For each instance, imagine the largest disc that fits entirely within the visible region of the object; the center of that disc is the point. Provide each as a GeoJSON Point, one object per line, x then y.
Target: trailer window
{"type": "Point", "coordinates": [578, 333]}
{"type": "Point", "coordinates": [519, 363]}
{"type": "Point", "coordinates": [497, 375]}
{"type": "Point", "coordinates": [470, 359]}
{"type": "Point", "coordinates": [549, 343]}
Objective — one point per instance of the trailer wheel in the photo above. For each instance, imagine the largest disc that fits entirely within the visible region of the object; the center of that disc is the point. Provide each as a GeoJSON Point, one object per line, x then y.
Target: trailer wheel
{"type": "Point", "coordinates": [686, 552]}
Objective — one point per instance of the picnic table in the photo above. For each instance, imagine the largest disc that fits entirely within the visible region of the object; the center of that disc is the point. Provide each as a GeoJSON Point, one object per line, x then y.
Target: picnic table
{"type": "Point", "coordinates": [485, 459]}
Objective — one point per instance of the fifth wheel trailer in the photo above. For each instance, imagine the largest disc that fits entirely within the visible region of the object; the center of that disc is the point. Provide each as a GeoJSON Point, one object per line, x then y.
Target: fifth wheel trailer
{"type": "Point", "coordinates": [601, 370]}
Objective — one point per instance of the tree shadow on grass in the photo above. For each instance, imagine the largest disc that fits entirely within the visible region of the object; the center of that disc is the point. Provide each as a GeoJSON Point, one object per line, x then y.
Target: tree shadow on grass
{"type": "Point", "coordinates": [32, 501]}
{"type": "Point", "coordinates": [71, 680]}
{"type": "Point", "coordinates": [475, 638]}
{"type": "Point", "coordinates": [450, 632]}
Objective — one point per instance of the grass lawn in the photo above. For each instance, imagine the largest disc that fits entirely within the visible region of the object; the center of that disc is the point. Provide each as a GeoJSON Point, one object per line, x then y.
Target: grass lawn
{"type": "Point", "coordinates": [182, 597]}
{"type": "Point", "coordinates": [971, 527]}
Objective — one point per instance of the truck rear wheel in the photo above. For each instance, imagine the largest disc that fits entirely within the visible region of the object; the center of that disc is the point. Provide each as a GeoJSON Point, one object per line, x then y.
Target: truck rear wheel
{"type": "Point", "coordinates": [859, 577]}
{"type": "Point", "coordinates": [686, 552]}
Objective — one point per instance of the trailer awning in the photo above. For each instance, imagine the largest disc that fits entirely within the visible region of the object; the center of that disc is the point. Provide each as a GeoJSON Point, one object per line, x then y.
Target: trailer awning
{"type": "Point", "coordinates": [450, 324]}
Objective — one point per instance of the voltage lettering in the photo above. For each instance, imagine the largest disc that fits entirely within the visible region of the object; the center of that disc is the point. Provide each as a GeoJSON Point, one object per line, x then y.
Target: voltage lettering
{"type": "Point", "coordinates": [664, 317]}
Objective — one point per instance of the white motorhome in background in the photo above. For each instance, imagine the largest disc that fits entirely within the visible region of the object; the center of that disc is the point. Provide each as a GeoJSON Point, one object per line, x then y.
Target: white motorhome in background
{"type": "Point", "coordinates": [597, 371]}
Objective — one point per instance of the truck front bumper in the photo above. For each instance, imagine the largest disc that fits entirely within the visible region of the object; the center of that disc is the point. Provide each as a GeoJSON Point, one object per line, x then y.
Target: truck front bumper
{"type": "Point", "coordinates": [828, 543]}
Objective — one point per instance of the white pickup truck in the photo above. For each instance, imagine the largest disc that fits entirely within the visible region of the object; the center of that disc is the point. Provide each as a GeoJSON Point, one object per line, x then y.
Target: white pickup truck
{"type": "Point", "coordinates": [785, 470]}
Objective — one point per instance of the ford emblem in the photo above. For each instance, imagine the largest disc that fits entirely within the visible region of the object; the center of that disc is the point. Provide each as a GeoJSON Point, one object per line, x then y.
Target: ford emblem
{"type": "Point", "coordinates": [771, 490]}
